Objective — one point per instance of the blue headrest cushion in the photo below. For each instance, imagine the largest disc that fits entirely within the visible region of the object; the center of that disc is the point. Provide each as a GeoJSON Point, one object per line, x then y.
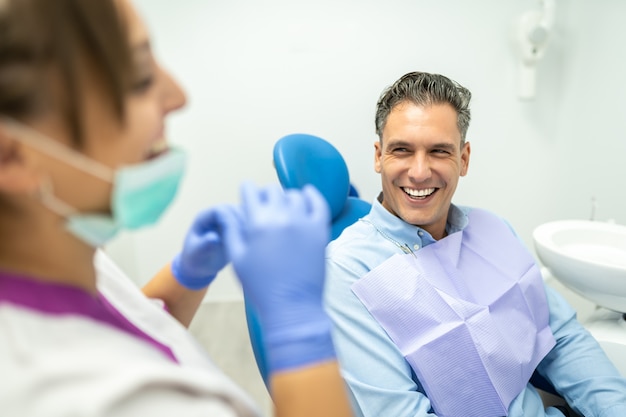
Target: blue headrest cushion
{"type": "Point", "coordinates": [354, 209]}
{"type": "Point", "coordinates": [302, 159]}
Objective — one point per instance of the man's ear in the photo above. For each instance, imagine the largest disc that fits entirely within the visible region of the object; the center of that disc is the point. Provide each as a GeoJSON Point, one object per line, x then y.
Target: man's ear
{"type": "Point", "coordinates": [377, 156]}
{"type": "Point", "coordinates": [465, 158]}
{"type": "Point", "coordinates": [17, 175]}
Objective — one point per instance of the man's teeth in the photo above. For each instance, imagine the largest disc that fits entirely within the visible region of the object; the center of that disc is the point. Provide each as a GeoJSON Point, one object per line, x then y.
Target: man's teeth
{"type": "Point", "coordinates": [419, 193]}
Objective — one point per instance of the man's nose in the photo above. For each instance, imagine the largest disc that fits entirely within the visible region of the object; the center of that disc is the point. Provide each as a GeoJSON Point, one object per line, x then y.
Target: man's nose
{"type": "Point", "coordinates": [420, 169]}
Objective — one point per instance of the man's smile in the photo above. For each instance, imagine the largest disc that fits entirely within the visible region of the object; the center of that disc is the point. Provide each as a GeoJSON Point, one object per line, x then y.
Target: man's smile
{"type": "Point", "coordinates": [418, 193]}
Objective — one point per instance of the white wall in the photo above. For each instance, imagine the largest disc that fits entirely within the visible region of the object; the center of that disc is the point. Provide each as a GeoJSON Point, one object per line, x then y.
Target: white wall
{"type": "Point", "coordinates": [256, 71]}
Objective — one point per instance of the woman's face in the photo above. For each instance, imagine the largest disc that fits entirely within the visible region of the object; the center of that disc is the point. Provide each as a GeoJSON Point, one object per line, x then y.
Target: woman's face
{"type": "Point", "coordinates": [153, 96]}
{"type": "Point", "coordinates": [107, 139]}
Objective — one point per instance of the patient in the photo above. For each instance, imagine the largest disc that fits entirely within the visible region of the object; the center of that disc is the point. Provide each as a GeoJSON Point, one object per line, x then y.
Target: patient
{"type": "Point", "coordinates": [440, 309]}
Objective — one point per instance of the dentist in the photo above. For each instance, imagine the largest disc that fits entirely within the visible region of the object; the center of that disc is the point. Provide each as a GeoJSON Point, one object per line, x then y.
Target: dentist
{"type": "Point", "coordinates": [83, 104]}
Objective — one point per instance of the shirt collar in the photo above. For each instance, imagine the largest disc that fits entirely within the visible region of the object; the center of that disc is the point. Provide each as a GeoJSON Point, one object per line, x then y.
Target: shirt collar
{"type": "Point", "coordinates": [405, 233]}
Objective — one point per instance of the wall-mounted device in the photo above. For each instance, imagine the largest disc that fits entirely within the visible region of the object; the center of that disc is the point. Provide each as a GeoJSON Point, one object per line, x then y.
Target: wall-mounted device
{"type": "Point", "coordinates": [532, 35]}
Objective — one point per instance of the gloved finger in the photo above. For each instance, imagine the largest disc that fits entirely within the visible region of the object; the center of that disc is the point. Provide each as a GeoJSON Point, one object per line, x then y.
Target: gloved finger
{"type": "Point", "coordinates": [210, 226]}
{"type": "Point", "coordinates": [317, 205]}
{"type": "Point", "coordinates": [207, 220]}
{"type": "Point", "coordinates": [275, 195]}
{"type": "Point", "coordinates": [231, 220]}
{"type": "Point", "coordinates": [250, 197]}
{"type": "Point", "coordinates": [255, 200]}
{"type": "Point", "coordinates": [296, 202]}
{"type": "Point", "coordinates": [206, 241]}
{"type": "Point", "coordinates": [207, 229]}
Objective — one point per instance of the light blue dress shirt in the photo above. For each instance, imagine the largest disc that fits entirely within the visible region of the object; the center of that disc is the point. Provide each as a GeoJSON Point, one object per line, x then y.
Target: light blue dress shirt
{"type": "Point", "coordinates": [380, 380]}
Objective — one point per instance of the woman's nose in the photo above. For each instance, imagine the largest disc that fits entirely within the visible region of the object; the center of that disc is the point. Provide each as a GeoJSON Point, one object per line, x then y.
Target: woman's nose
{"type": "Point", "coordinates": [174, 96]}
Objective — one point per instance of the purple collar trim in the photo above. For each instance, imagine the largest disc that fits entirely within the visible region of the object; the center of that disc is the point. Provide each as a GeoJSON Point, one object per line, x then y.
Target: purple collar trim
{"type": "Point", "coordinates": [58, 300]}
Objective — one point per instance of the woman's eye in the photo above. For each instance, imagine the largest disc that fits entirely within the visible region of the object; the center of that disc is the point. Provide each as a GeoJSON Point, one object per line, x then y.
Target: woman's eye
{"type": "Point", "coordinates": [143, 84]}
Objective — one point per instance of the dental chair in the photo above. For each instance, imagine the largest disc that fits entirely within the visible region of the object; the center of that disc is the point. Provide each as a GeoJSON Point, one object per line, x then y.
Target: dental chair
{"type": "Point", "coordinates": [301, 159]}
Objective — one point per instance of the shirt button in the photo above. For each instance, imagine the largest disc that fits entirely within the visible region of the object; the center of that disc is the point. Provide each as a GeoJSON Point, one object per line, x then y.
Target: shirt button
{"type": "Point", "coordinates": [416, 247]}
{"type": "Point", "coordinates": [420, 233]}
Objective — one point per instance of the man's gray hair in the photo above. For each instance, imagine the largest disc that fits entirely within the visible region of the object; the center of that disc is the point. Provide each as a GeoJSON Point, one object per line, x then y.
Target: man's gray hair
{"type": "Point", "coordinates": [424, 89]}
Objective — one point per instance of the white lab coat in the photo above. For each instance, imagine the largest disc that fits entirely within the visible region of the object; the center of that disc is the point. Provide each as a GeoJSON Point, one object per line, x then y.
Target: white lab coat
{"type": "Point", "coordinates": [53, 366]}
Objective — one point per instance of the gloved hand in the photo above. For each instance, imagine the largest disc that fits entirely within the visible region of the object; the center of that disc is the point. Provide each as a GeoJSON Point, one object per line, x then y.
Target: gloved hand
{"type": "Point", "coordinates": [204, 254]}
{"type": "Point", "coordinates": [279, 257]}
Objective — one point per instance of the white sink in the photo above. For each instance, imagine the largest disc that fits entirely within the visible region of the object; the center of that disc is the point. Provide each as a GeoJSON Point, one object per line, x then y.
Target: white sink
{"type": "Point", "coordinates": [588, 257]}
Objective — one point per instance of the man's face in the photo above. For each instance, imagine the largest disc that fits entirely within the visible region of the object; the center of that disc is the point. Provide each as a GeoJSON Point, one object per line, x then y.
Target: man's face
{"type": "Point", "coordinates": [420, 161]}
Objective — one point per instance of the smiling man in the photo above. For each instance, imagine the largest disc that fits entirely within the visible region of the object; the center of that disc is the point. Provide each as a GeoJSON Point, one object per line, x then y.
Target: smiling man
{"type": "Point", "coordinates": [438, 309]}
{"type": "Point", "coordinates": [420, 157]}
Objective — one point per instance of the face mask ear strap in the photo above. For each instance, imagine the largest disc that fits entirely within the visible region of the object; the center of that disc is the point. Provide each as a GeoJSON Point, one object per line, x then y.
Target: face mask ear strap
{"type": "Point", "coordinates": [45, 194]}
{"type": "Point", "coordinates": [42, 143]}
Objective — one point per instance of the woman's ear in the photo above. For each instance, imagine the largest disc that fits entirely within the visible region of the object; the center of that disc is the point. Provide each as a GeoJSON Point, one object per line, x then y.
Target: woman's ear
{"type": "Point", "coordinates": [17, 175]}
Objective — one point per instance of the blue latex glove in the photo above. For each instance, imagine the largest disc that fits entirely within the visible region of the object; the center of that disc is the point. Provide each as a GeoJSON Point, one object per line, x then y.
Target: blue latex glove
{"type": "Point", "coordinates": [279, 257]}
{"type": "Point", "coordinates": [204, 254]}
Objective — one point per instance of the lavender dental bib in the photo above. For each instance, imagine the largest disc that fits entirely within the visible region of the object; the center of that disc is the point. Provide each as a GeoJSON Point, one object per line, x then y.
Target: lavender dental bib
{"type": "Point", "coordinates": [468, 312]}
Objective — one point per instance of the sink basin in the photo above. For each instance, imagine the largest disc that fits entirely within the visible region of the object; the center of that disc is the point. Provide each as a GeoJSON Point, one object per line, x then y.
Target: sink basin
{"type": "Point", "coordinates": [587, 257]}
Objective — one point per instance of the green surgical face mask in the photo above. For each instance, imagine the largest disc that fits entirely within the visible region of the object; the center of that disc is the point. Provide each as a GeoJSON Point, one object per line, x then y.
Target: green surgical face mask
{"type": "Point", "coordinates": [141, 192]}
